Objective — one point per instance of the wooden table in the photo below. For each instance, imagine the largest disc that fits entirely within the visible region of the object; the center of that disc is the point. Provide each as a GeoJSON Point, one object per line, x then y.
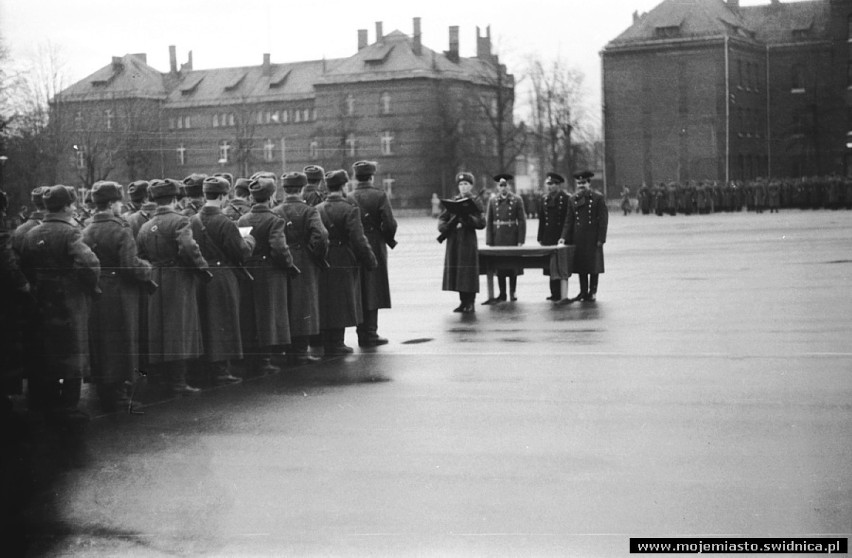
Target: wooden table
{"type": "Point", "coordinates": [558, 259]}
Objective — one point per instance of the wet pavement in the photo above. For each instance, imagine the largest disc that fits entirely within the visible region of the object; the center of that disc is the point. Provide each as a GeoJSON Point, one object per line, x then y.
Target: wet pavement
{"type": "Point", "coordinates": [708, 392]}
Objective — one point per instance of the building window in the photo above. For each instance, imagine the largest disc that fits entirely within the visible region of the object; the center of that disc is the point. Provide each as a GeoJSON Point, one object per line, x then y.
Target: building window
{"type": "Point", "coordinates": [314, 114]}
{"type": "Point", "coordinates": [387, 140]}
{"type": "Point", "coordinates": [215, 120]}
{"type": "Point", "coordinates": [798, 79]}
{"type": "Point", "coordinates": [171, 123]}
{"type": "Point", "coordinates": [740, 74]}
{"type": "Point", "coordinates": [350, 105]}
{"type": "Point", "coordinates": [80, 156]}
{"type": "Point", "coordinates": [306, 116]}
{"type": "Point", "coordinates": [276, 116]}
{"type": "Point", "coordinates": [314, 149]}
{"type": "Point", "coordinates": [260, 117]}
{"type": "Point", "coordinates": [230, 119]}
{"type": "Point", "coordinates": [285, 116]}
{"type": "Point", "coordinates": [384, 102]}
{"type": "Point", "coordinates": [181, 155]}
{"type": "Point", "coordinates": [387, 184]}
{"type": "Point", "coordinates": [297, 115]}
{"type": "Point", "coordinates": [224, 151]}
{"type": "Point", "coordinates": [350, 145]}
{"type": "Point", "coordinates": [268, 150]}
{"type": "Point", "coordinates": [78, 119]}
{"type": "Point", "coordinates": [108, 118]}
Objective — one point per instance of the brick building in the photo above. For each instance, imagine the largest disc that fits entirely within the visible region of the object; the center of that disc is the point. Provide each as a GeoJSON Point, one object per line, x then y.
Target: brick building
{"type": "Point", "coordinates": [711, 90]}
{"type": "Point", "coordinates": [423, 115]}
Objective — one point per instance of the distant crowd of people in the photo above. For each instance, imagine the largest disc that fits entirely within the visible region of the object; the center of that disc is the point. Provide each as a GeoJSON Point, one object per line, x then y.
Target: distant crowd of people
{"type": "Point", "coordinates": [828, 192]}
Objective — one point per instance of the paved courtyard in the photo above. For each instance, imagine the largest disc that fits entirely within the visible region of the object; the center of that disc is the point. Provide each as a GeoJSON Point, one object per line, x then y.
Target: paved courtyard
{"type": "Point", "coordinates": [708, 392]}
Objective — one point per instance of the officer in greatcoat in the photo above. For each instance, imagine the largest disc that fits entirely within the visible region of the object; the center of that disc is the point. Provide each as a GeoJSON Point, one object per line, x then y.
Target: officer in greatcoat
{"type": "Point", "coordinates": [114, 321]}
{"type": "Point", "coordinates": [461, 259]}
{"type": "Point", "coordinates": [585, 228]}
{"type": "Point", "coordinates": [174, 329]}
{"type": "Point", "coordinates": [240, 205]}
{"type": "Point", "coordinates": [380, 228]}
{"type": "Point", "coordinates": [264, 306]}
{"type": "Point", "coordinates": [348, 251]}
{"type": "Point", "coordinates": [553, 209]}
{"type": "Point", "coordinates": [34, 219]}
{"type": "Point", "coordinates": [144, 208]}
{"type": "Point", "coordinates": [225, 251]}
{"type": "Point", "coordinates": [505, 225]}
{"type": "Point", "coordinates": [308, 241]}
{"type": "Point", "coordinates": [313, 191]}
{"type": "Point", "coordinates": [65, 273]}
{"type": "Point", "coordinates": [193, 187]}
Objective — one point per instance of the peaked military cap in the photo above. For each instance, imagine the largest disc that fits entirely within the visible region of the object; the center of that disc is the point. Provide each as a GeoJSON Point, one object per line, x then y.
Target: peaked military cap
{"type": "Point", "coordinates": [294, 180]}
{"type": "Point", "coordinates": [336, 179]}
{"type": "Point", "coordinates": [584, 175]}
{"type": "Point", "coordinates": [138, 190]}
{"type": "Point", "coordinates": [262, 188]}
{"type": "Point", "coordinates": [106, 191]}
{"type": "Point", "coordinates": [165, 188]}
{"type": "Point", "coordinates": [314, 172]}
{"type": "Point", "coordinates": [465, 177]}
{"type": "Point", "coordinates": [194, 185]}
{"type": "Point", "coordinates": [57, 197]}
{"type": "Point", "coordinates": [227, 176]}
{"type": "Point", "coordinates": [241, 186]}
{"type": "Point", "coordinates": [364, 168]}
{"type": "Point", "coordinates": [503, 176]}
{"type": "Point", "coordinates": [216, 185]}
{"type": "Point", "coordinates": [555, 177]}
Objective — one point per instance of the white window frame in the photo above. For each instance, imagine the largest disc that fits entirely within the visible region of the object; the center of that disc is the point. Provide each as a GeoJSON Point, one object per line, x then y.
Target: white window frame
{"type": "Point", "coordinates": [268, 150]}
{"type": "Point", "coordinates": [386, 140]}
{"type": "Point", "coordinates": [181, 155]}
{"type": "Point", "coordinates": [351, 145]}
{"type": "Point", "coordinates": [385, 103]}
{"type": "Point", "coordinates": [225, 151]}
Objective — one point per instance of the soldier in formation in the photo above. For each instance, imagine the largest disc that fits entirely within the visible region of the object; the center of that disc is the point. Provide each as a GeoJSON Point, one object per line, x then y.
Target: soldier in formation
{"type": "Point", "coordinates": [461, 259]}
{"type": "Point", "coordinates": [553, 210]}
{"type": "Point", "coordinates": [505, 225]}
{"type": "Point", "coordinates": [586, 228]}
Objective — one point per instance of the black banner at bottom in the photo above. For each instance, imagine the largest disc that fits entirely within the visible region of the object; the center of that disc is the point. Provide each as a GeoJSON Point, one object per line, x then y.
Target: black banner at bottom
{"type": "Point", "coordinates": [817, 545]}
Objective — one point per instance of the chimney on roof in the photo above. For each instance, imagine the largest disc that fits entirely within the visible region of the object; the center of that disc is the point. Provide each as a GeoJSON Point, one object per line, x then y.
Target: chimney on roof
{"type": "Point", "coordinates": [267, 66]}
{"type": "Point", "coordinates": [188, 65]}
{"type": "Point", "coordinates": [453, 53]}
{"type": "Point", "coordinates": [362, 38]}
{"type": "Point", "coordinates": [635, 16]}
{"type": "Point", "coordinates": [379, 35]}
{"type": "Point", "coordinates": [417, 46]}
{"type": "Point", "coordinates": [483, 44]}
{"type": "Point", "coordinates": [172, 59]}
{"type": "Point", "coordinates": [117, 63]}
{"type": "Point", "coordinates": [733, 4]}
{"type": "Point", "coordinates": [141, 56]}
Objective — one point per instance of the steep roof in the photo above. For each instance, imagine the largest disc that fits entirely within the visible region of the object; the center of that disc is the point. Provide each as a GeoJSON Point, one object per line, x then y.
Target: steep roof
{"type": "Point", "coordinates": [693, 18]}
{"type": "Point", "coordinates": [393, 57]}
{"type": "Point", "coordinates": [126, 76]}
{"type": "Point", "coordinates": [769, 23]}
{"type": "Point", "coordinates": [789, 22]}
{"type": "Point", "coordinates": [224, 86]}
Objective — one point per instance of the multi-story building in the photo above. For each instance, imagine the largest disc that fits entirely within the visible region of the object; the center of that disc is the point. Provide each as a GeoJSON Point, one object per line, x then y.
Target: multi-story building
{"type": "Point", "coordinates": [421, 114]}
{"type": "Point", "coordinates": [711, 90]}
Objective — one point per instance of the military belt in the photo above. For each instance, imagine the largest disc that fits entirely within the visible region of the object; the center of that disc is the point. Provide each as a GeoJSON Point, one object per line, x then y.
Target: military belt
{"type": "Point", "coordinates": [506, 223]}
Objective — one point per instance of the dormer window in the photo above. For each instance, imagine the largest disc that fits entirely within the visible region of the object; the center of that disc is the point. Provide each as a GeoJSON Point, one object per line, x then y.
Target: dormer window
{"type": "Point", "coordinates": [667, 32]}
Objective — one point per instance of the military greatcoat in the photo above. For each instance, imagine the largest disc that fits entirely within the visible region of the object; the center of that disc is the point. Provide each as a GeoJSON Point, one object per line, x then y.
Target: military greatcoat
{"type": "Point", "coordinates": [506, 221]}
{"type": "Point", "coordinates": [553, 208]}
{"type": "Point", "coordinates": [380, 229]}
{"type": "Point", "coordinates": [174, 330]}
{"type": "Point", "coordinates": [312, 195]}
{"type": "Point", "coordinates": [35, 219]}
{"type": "Point", "coordinates": [236, 209]}
{"type": "Point", "coordinates": [461, 260]}
{"type": "Point", "coordinates": [265, 319]}
{"type": "Point", "coordinates": [585, 226]}
{"type": "Point", "coordinates": [219, 302]}
{"type": "Point", "coordinates": [308, 241]}
{"type": "Point", "coordinates": [139, 217]}
{"type": "Point", "coordinates": [65, 273]}
{"type": "Point", "coordinates": [348, 250]}
{"type": "Point", "coordinates": [114, 322]}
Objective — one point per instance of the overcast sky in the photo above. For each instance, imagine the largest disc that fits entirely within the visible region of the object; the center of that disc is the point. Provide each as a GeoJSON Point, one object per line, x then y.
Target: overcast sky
{"type": "Point", "coordinates": [223, 33]}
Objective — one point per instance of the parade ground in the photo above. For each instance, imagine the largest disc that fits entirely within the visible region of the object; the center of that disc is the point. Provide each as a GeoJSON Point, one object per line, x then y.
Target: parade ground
{"type": "Point", "coordinates": [707, 393]}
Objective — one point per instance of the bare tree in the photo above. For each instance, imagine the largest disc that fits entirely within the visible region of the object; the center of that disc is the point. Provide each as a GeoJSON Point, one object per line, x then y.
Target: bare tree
{"type": "Point", "coordinates": [339, 136]}
{"type": "Point", "coordinates": [495, 98]}
{"type": "Point", "coordinates": [556, 114]}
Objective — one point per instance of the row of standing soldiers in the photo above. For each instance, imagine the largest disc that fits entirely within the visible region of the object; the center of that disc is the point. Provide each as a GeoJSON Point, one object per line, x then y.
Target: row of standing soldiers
{"type": "Point", "coordinates": [832, 192]}
{"type": "Point", "coordinates": [225, 273]}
